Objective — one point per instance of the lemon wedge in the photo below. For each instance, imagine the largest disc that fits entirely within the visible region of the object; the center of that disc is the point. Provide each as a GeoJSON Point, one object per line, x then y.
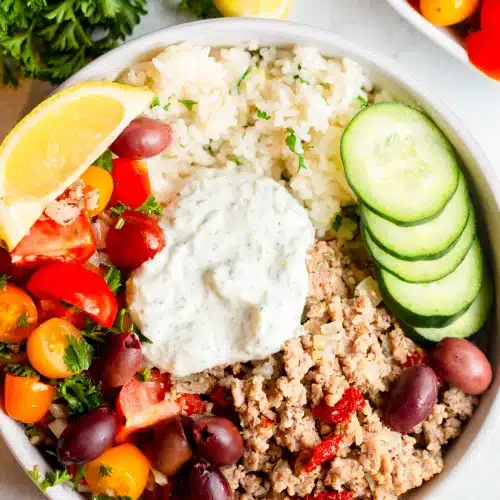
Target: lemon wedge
{"type": "Point", "coordinates": [52, 146]}
{"type": "Point", "coordinates": [273, 9]}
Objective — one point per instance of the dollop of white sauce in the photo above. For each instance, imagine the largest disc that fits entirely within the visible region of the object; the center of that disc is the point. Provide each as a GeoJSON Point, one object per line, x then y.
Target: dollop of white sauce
{"type": "Point", "coordinates": [231, 283]}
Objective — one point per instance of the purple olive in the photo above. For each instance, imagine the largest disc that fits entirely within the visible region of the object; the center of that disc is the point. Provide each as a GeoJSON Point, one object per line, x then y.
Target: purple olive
{"type": "Point", "coordinates": [218, 440]}
{"type": "Point", "coordinates": [121, 359]}
{"type": "Point", "coordinates": [206, 482]}
{"type": "Point", "coordinates": [411, 398]}
{"type": "Point", "coordinates": [172, 448]}
{"type": "Point", "coordinates": [143, 138]}
{"type": "Point", "coordinates": [462, 364]}
{"type": "Point", "coordinates": [87, 437]}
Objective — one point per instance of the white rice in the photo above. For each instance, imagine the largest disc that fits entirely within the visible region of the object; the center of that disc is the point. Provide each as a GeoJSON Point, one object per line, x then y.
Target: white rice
{"type": "Point", "coordinates": [298, 88]}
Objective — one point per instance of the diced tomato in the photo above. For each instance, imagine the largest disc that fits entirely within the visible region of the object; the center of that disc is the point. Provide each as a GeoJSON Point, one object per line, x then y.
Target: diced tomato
{"type": "Point", "coordinates": [351, 401]}
{"type": "Point", "coordinates": [490, 15]}
{"type": "Point", "coordinates": [48, 309]}
{"type": "Point", "coordinates": [48, 242]}
{"type": "Point", "coordinates": [142, 404]}
{"type": "Point", "coordinates": [131, 183]}
{"type": "Point", "coordinates": [332, 495]}
{"type": "Point", "coordinates": [76, 285]}
{"type": "Point", "coordinates": [483, 50]}
{"type": "Point", "coordinates": [324, 451]}
{"type": "Point", "coordinates": [191, 404]}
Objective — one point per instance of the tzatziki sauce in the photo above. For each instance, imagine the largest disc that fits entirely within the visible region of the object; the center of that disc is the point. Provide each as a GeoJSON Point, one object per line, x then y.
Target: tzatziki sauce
{"type": "Point", "coordinates": [231, 283]}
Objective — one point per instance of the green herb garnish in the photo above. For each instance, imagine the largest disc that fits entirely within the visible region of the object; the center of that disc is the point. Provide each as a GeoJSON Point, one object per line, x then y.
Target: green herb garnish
{"type": "Point", "coordinates": [236, 160]}
{"type": "Point", "coordinates": [362, 102]}
{"type": "Point", "coordinates": [263, 115]}
{"type": "Point", "coordinates": [80, 393]}
{"type": "Point", "coordinates": [243, 77]}
{"type": "Point", "coordinates": [21, 371]}
{"type": "Point", "coordinates": [78, 355]}
{"type": "Point", "coordinates": [155, 102]}
{"type": "Point", "coordinates": [120, 223]}
{"type": "Point", "coordinates": [59, 476]}
{"type": "Point", "coordinates": [105, 161]}
{"type": "Point", "coordinates": [151, 207]}
{"type": "Point", "coordinates": [144, 376]}
{"type": "Point", "coordinates": [22, 321]}
{"type": "Point", "coordinates": [5, 352]}
{"type": "Point", "coordinates": [119, 209]}
{"type": "Point", "coordinates": [114, 279]}
{"type": "Point", "coordinates": [189, 103]}
{"type": "Point", "coordinates": [105, 470]}
{"type": "Point", "coordinates": [337, 222]}
{"type": "Point", "coordinates": [4, 278]}
{"type": "Point", "coordinates": [291, 142]}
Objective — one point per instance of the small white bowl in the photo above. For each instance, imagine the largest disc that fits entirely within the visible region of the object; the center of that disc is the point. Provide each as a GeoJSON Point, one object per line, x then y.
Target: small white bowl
{"type": "Point", "coordinates": [484, 425]}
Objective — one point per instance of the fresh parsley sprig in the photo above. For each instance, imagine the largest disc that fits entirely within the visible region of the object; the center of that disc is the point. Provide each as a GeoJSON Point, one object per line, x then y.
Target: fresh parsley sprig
{"type": "Point", "coordinates": [51, 479]}
{"type": "Point", "coordinates": [78, 355]}
{"type": "Point", "coordinates": [21, 371]}
{"type": "Point", "coordinates": [80, 393]}
{"type": "Point", "coordinates": [291, 142]}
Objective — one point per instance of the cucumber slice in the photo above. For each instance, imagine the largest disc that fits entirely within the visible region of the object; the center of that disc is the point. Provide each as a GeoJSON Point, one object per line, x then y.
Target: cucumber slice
{"type": "Point", "coordinates": [465, 325]}
{"type": "Point", "coordinates": [399, 163]}
{"type": "Point", "coordinates": [437, 303]}
{"type": "Point", "coordinates": [429, 240]}
{"type": "Point", "coordinates": [423, 271]}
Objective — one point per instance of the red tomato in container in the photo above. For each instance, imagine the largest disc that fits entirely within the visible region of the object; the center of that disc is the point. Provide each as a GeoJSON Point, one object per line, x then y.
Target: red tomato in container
{"type": "Point", "coordinates": [490, 15]}
{"type": "Point", "coordinates": [483, 48]}
{"type": "Point", "coordinates": [133, 241]}
{"type": "Point", "coordinates": [131, 183]}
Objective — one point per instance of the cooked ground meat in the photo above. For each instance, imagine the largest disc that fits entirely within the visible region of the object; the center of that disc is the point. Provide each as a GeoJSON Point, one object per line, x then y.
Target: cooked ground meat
{"type": "Point", "coordinates": [273, 398]}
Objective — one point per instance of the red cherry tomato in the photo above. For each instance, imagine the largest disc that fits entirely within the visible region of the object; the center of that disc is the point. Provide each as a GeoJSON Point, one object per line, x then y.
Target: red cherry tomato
{"type": "Point", "coordinates": [132, 186]}
{"type": "Point", "coordinates": [48, 241]}
{"type": "Point", "coordinates": [142, 404]}
{"type": "Point", "coordinates": [78, 286]}
{"type": "Point", "coordinates": [135, 241]}
{"type": "Point", "coordinates": [48, 309]}
{"type": "Point", "coordinates": [490, 14]}
{"type": "Point", "coordinates": [483, 49]}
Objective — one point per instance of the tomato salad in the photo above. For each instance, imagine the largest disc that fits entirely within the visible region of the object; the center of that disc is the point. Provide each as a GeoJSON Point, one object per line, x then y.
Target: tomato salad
{"type": "Point", "coordinates": [71, 358]}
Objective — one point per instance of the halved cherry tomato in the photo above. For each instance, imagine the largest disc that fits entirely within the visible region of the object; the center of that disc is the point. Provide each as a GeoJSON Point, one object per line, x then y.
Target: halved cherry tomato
{"type": "Point", "coordinates": [483, 48]}
{"type": "Point", "coordinates": [490, 14]}
{"type": "Point", "coordinates": [78, 286]}
{"type": "Point", "coordinates": [131, 183]}
{"type": "Point", "coordinates": [48, 242]}
{"type": "Point", "coordinates": [48, 309]}
{"type": "Point", "coordinates": [141, 405]}
{"type": "Point", "coordinates": [100, 179]}
{"type": "Point", "coordinates": [448, 12]}
{"type": "Point", "coordinates": [138, 239]}
{"type": "Point", "coordinates": [27, 399]}
{"type": "Point", "coordinates": [46, 347]}
{"type": "Point", "coordinates": [191, 404]}
{"type": "Point", "coordinates": [18, 314]}
{"type": "Point", "coordinates": [128, 471]}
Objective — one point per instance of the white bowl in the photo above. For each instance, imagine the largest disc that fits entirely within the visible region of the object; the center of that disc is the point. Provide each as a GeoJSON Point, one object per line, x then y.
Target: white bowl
{"type": "Point", "coordinates": [483, 427]}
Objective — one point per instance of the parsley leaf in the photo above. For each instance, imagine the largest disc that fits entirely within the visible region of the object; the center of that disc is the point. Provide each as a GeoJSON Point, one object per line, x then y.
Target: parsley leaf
{"type": "Point", "coordinates": [155, 102]}
{"type": "Point", "coordinates": [21, 371]}
{"type": "Point", "coordinates": [93, 331]}
{"type": "Point", "coordinates": [236, 160]}
{"type": "Point", "coordinates": [291, 142]}
{"type": "Point", "coordinates": [151, 207]}
{"type": "Point", "coordinates": [203, 9]}
{"type": "Point", "coordinates": [78, 355]}
{"type": "Point", "coordinates": [105, 161]}
{"type": "Point", "coordinates": [263, 115]}
{"type": "Point", "coordinates": [190, 104]}
{"type": "Point", "coordinates": [80, 393]}
{"type": "Point", "coordinates": [35, 475]}
{"type": "Point", "coordinates": [31, 430]}
{"type": "Point", "coordinates": [243, 77]}
{"type": "Point", "coordinates": [114, 279]}
{"type": "Point", "coordinates": [120, 326]}
{"type": "Point", "coordinates": [166, 107]}
{"type": "Point", "coordinates": [105, 470]}
{"type": "Point", "coordinates": [144, 376]}
{"type": "Point", "coordinates": [337, 222]}
{"type": "Point", "coordinates": [22, 321]}
{"type": "Point", "coordinates": [4, 278]}
{"type": "Point", "coordinates": [119, 209]}
{"type": "Point", "coordinates": [362, 102]}
{"type": "Point", "coordinates": [5, 352]}
{"type": "Point", "coordinates": [59, 476]}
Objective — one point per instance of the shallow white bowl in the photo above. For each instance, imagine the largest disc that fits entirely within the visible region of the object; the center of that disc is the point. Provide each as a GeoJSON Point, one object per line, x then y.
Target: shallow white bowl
{"type": "Point", "coordinates": [484, 426]}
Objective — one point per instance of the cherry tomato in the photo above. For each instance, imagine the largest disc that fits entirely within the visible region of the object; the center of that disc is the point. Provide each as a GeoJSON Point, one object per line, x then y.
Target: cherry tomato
{"type": "Point", "coordinates": [100, 179]}
{"type": "Point", "coordinates": [78, 286]}
{"type": "Point", "coordinates": [448, 12]}
{"type": "Point", "coordinates": [27, 399]}
{"type": "Point", "coordinates": [142, 404]}
{"type": "Point", "coordinates": [490, 14]}
{"type": "Point", "coordinates": [48, 309]}
{"type": "Point", "coordinates": [18, 314]}
{"type": "Point", "coordinates": [143, 138]}
{"type": "Point", "coordinates": [131, 183]}
{"type": "Point", "coordinates": [127, 472]}
{"type": "Point", "coordinates": [48, 242]}
{"type": "Point", "coordinates": [138, 239]}
{"type": "Point", "coordinates": [483, 49]}
{"type": "Point", "coordinates": [46, 347]}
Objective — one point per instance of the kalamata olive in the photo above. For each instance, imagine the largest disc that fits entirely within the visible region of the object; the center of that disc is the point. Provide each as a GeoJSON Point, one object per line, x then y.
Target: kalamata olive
{"type": "Point", "coordinates": [121, 359]}
{"type": "Point", "coordinates": [462, 364]}
{"type": "Point", "coordinates": [206, 482]}
{"type": "Point", "coordinates": [172, 448]}
{"type": "Point", "coordinates": [143, 138]}
{"type": "Point", "coordinates": [218, 440]}
{"type": "Point", "coordinates": [134, 242]}
{"type": "Point", "coordinates": [411, 398]}
{"type": "Point", "coordinates": [87, 437]}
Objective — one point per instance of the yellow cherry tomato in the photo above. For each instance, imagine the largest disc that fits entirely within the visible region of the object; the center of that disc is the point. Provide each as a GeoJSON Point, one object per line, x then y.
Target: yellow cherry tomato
{"type": "Point", "coordinates": [448, 12]}
{"type": "Point", "coordinates": [122, 470]}
{"type": "Point", "coordinates": [46, 347]}
{"type": "Point", "coordinates": [27, 399]}
{"type": "Point", "coordinates": [18, 314]}
{"type": "Point", "coordinates": [101, 180]}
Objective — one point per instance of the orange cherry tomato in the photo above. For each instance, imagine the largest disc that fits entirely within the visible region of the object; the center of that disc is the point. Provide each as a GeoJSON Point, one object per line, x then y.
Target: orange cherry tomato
{"type": "Point", "coordinates": [483, 48]}
{"type": "Point", "coordinates": [490, 14]}
{"type": "Point", "coordinates": [18, 314]}
{"type": "Point", "coordinates": [127, 472]}
{"type": "Point", "coordinates": [47, 346]}
{"type": "Point", "coordinates": [448, 12]}
{"type": "Point", "coordinates": [100, 179]}
{"type": "Point", "coordinates": [27, 399]}
{"type": "Point", "coordinates": [131, 179]}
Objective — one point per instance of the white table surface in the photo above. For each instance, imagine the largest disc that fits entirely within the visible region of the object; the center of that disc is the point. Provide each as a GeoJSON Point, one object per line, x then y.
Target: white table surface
{"type": "Point", "coordinates": [372, 23]}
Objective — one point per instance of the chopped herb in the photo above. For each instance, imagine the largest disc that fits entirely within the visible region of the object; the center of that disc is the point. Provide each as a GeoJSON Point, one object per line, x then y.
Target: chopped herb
{"type": "Point", "coordinates": [155, 102]}
{"type": "Point", "coordinates": [119, 326]}
{"type": "Point", "coordinates": [105, 471]}
{"type": "Point", "coordinates": [51, 478]}
{"type": "Point", "coordinates": [256, 53]}
{"type": "Point", "coordinates": [291, 142]}
{"type": "Point", "coordinates": [21, 371]}
{"type": "Point", "coordinates": [151, 207]}
{"type": "Point", "coordinates": [190, 104]}
{"type": "Point", "coordinates": [22, 321]}
{"type": "Point", "coordinates": [80, 393]}
{"type": "Point", "coordinates": [5, 352]}
{"type": "Point", "coordinates": [105, 161]}
{"type": "Point", "coordinates": [263, 115]}
{"type": "Point", "coordinates": [302, 80]}
{"type": "Point", "coordinates": [35, 475]}
{"type": "Point", "coordinates": [142, 337]}
{"type": "Point", "coordinates": [114, 279]}
{"type": "Point", "coordinates": [31, 430]}
{"type": "Point", "coordinates": [120, 223]}
{"type": "Point", "coordinates": [243, 77]}
{"type": "Point", "coordinates": [93, 331]}
{"type": "Point", "coordinates": [209, 147]}
{"type": "Point", "coordinates": [119, 209]}
{"type": "Point", "coordinates": [4, 278]}
{"type": "Point", "coordinates": [203, 9]}
{"type": "Point", "coordinates": [337, 222]}
{"type": "Point", "coordinates": [236, 160]}
{"type": "Point", "coordinates": [52, 453]}
{"type": "Point", "coordinates": [144, 376]}
{"type": "Point", "coordinates": [78, 355]}
{"type": "Point", "coordinates": [362, 102]}
{"type": "Point", "coordinates": [166, 107]}
{"type": "Point", "coordinates": [351, 211]}
{"type": "Point", "coordinates": [79, 474]}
